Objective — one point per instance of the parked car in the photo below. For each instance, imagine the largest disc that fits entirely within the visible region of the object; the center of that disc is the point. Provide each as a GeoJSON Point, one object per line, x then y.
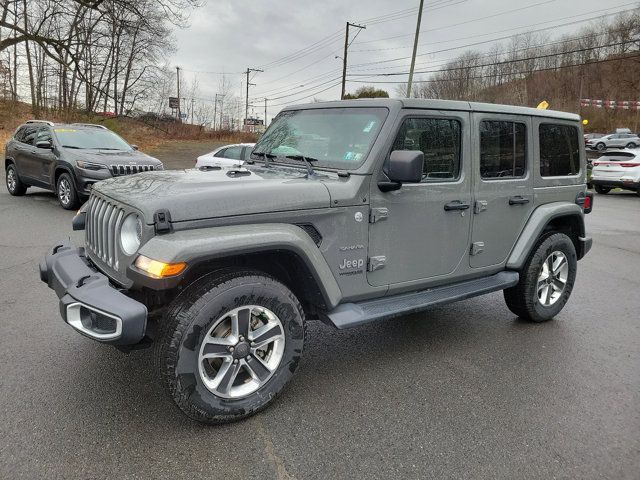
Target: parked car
{"type": "Point", "coordinates": [614, 140]}
{"type": "Point", "coordinates": [69, 159]}
{"type": "Point", "coordinates": [360, 211]}
{"type": "Point", "coordinates": [617, 169]}
{"type": "Point", "coordinates": [592, 136]}
{"type": "Point", "coordinates": [228, 155]}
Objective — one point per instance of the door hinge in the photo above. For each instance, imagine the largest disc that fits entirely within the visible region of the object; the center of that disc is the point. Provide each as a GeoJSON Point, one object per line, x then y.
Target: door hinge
{"type": "Point", "coordinates": [480, 206]}
{"type": "Point", "coordinates": [376, 263]}
{"type": "Point", "coordinates": [477, 247]}
{"type": "Point", "coordinates": [378, 214]}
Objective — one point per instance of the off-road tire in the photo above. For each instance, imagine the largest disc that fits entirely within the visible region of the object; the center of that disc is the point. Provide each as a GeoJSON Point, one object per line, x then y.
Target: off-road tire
{"type": "Point", "coordinates": [186, 323]}
{"type": "Point", "coordinates": [13, 182]}
{"type": "Point", "coordinates": [522, 299]}
{"type": "Point", "coordinates": [69, 199]}
{"type": "Point", "coordinates": [602, 190]}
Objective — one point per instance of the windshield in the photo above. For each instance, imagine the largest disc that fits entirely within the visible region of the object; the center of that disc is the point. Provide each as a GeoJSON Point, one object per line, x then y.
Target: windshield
{"type": "Point", "coordinates": [334, 137]}
{"type": "Point", "coordinates": [90, 138]}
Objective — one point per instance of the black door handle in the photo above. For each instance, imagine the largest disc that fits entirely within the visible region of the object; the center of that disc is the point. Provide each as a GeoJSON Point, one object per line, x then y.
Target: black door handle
{"type": "Point", "coordinates": [518, 200]}
{"type": "Point", "coordinates": [456, 205]}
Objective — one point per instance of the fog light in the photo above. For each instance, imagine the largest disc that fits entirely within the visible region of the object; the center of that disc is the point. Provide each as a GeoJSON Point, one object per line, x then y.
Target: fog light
{"type": "Point", "coordinates": [157, 269]}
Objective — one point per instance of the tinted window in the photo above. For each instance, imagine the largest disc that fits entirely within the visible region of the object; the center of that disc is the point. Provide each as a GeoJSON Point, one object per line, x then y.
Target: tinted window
{"type": "Point", "coordinates": [247, 153]}
{"type": "Point", "coordinates": [234, 153]}
{"type": "Point", "coordinates": [439, 140]}
{"type": "Point", "coordinates": [502, 149]}
{"type": "Point", "coordinates": [29, 135]}
{"type": "Point", "coordinates": [220, 153]}
{"type": "Point", "coordinates": [559, 150]}
{"type": "Point", "coordinates": [44, 135]}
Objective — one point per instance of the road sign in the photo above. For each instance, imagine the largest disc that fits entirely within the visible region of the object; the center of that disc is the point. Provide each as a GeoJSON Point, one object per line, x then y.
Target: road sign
{"type": "Point", "coordinates": [183, 115]}
{"type": "Point", "coordinates": [174, 102]}
{"type": "Point", "coordinates": [253, 121]}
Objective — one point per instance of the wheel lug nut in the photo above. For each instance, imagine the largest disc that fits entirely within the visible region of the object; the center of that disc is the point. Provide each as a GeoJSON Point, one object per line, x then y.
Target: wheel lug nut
{"type": "Point", "coordinates": [235, 361]}
{"type": "Point", "coordinates": [241, 338]}
{"type": "Point", "coordinates": [253, 344]}
{"type": "Point", "coordinates": [231, 349]}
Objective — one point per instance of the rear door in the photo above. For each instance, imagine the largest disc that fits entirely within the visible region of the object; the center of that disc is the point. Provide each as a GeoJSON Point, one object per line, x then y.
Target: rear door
{"type": "Point", "coordinates": [503, 186]}
{"type": "Point", "coordinates": [26, 152]}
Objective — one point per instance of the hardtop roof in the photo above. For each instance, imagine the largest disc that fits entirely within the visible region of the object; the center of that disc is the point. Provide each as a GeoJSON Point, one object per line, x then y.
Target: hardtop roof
{"type": "Point", "coordinates": [436, 104]}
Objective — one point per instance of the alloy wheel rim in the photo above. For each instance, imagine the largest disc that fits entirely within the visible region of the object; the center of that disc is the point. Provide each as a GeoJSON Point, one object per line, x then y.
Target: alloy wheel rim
{"type": "Point", "coordinates": [11, 180]}
{"type": "Point", "coordinates": [64, 191]}
{"type": "Point", "coordinates": [552, 279]}
{"type": "Point", "coordinates": [241, 351]}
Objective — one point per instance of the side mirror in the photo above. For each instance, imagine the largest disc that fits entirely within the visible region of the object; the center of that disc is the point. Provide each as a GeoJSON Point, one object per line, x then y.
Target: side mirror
{"type": "Point", "coordinates": [405, 166]}
{"type": "Point", "coordinates": [135, 147]}
{"type": "Point", "coordinates": [44, 144]}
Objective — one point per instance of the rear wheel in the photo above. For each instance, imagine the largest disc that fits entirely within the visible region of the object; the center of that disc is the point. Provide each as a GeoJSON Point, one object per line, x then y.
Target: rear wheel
{"type": "Point", "coordinates": [229, 344]}
{"type": "Point", "coordinates": [66, 192]}
{"type": "Point", "coordinates": [631, 145]}
{"type": "Point", "coordinates": [602, 190]}
{"type": "Point", "coordinates": [546, 280]}
{"type": "Point", "coordinates": [14, 184]}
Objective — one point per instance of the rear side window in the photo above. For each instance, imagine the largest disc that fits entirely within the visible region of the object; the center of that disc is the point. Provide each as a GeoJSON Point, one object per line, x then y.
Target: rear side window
{"type": "Point", "coordinates": [19, 136]}
{"type": "Point", "coordinates": [502, 149]}
{"type": "Point", "coordinates": [559, 150]}
{"type": "Point", "coordinates": [440, 141]}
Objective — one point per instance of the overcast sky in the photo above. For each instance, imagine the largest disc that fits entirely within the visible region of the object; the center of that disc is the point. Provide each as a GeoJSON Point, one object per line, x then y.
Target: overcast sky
{"type": "Point", "coordinates": [231, 35]}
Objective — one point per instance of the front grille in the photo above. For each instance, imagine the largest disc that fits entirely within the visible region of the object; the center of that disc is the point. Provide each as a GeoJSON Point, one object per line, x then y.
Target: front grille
{"type": "Point", "coordinates": [102, 227]}
{"type": "Point", "coordinates": [118, 170]}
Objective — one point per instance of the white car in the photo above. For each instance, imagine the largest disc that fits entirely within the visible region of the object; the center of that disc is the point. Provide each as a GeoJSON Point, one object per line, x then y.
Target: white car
{"type": "Point", "coordinates": [614, 140]}
{"type": "Point", "coordinates": [226, 156]}
{"type": "Point", "coordinates": [617, 169]}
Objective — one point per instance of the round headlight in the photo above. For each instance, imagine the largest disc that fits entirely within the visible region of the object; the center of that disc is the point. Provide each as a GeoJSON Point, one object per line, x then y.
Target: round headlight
{"type": "Point", "coordinates": [131, 234]}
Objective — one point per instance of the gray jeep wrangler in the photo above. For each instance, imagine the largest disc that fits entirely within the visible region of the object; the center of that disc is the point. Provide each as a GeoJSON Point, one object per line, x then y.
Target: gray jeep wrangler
{"type": "Point", "coordinates": [347, 212]}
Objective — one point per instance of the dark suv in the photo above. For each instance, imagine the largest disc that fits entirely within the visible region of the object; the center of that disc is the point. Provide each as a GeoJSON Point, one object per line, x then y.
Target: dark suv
{"type": "Point", "coordinates": [69, 159]}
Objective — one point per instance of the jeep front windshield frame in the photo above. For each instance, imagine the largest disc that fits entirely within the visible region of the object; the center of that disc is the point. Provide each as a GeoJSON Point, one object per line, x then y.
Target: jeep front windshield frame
{"type": "Point", "coordinates": [339, 138]}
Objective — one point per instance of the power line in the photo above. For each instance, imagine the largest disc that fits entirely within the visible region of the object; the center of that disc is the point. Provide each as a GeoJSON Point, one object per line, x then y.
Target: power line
{"type": "Point", "coordinates": [559, 67]}
{"type": "Point", "coordinates": [491, 40]}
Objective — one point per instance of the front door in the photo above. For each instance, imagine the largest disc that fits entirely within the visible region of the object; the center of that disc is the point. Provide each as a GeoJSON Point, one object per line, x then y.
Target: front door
{"type": "Point", "coordinates": [44, 158]}
{"type": "Point", "coordinates": [421, 231]}
{"type": "Point", "coordinates": [503, 186]}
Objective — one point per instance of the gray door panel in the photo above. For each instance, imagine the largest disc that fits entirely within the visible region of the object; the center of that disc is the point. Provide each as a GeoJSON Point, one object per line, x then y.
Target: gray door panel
{"type": "Point", "coordinates": [418, 239]}
{"type": "Point", "coordinates": [503, 185]}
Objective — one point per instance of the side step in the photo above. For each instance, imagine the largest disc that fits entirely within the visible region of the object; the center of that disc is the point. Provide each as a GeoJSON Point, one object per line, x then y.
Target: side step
{"type": "Point", "coordinates": [353, 314]}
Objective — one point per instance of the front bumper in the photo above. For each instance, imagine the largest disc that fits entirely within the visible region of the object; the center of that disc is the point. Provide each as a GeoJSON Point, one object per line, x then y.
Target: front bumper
{"type": "Point", "coordinates": [88, 302]}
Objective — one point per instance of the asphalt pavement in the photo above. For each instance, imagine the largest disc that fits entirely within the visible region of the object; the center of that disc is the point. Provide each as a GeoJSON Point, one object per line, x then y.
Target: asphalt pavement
{"type": "Point", "coordinates": [463, 391]}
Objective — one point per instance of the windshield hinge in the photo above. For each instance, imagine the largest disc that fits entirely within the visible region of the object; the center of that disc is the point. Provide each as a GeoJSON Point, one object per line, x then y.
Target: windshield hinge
{"type": "Point", "coordinates": [376, 263]}
{"type": "Point", "coordinates": [162, 221]}
{"type": "Point", "coordinates": [378, 214]}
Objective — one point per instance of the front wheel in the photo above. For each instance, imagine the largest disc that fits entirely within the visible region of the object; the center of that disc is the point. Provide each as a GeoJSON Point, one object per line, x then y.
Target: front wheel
{"type": "Point", "coordinates": [229, 344]}
{"type": "Point", "coordinates": [546, 280]}
{"type": "Point", "coordinates": [66, 192]}
{"type": "Point", "coordinates": [602, 190]}
{"type": "Point", "coordinates": [600, 146]}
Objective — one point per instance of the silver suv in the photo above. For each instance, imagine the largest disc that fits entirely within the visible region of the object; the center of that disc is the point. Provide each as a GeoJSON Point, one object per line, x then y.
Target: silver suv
{"type": "Point", "coordinates": [347, 212]}
{"type": "Point", "coordinates": [614, 140]}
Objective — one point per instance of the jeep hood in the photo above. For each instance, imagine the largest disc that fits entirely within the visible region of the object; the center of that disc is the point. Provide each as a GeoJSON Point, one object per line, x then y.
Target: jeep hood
{"type": "Point", "coordinates": [198, 194]}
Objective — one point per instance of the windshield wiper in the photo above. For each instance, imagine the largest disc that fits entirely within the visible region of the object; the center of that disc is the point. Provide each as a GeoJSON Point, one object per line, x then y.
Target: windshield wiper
{"type": "Point", "coordinates": [72, 146]}
{"type": "Point", "coordinates": [264, 156]}
{"type": "Point", "coordinates": [307, 160]}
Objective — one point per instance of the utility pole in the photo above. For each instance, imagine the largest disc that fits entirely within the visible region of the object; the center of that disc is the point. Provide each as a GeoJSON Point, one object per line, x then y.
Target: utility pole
{"type": "Point", "coordinates": [192, 102]}
{"type": "Point", "coordinates": [246, 105]}
{"type": "Point", "coordinates": [344, 57]}
{"type": "Point", "coordinates": [215, 110]}
{"type": "Point", "coordinates": [415, 50]}
{"type": "Point", "coordinates": [178, 82]}
{"type": "Point", "coordinates": [265, 113]}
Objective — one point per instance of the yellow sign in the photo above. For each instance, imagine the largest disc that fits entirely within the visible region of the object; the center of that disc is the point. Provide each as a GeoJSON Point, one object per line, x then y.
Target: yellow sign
{"type": "Point", "coordinates": [585, 122]}
{"type": "Point", "coordinates": [543, 105]}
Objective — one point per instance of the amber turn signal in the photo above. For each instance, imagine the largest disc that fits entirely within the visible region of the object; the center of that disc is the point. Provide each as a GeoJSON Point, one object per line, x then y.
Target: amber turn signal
{"type": "Point", "coordinates": [157, 269]}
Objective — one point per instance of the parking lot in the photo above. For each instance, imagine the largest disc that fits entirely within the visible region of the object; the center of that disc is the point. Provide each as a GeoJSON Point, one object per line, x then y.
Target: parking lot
{"type": "Point", "coordinates": [464, 391]}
